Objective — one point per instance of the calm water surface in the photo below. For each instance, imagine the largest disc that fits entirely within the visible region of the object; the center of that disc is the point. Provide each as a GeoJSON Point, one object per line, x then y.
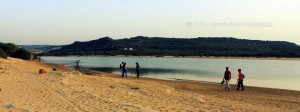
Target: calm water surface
{"type": "Point", "coordinates": [283, 74]}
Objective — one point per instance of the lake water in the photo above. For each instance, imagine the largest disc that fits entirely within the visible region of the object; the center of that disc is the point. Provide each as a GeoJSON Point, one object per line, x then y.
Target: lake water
{"type": "Point", "coordinates": [283, 74]}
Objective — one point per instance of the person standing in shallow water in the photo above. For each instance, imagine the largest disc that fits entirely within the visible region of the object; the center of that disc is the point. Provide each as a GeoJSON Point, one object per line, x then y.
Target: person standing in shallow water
{"type": "Point", "coordinates": [137, 69]}
{"type": "Point", "coordinates": [227, 77]}
{"type": "Point", "coordinates": [124, 70]}
{"type": "Point", "coordinates": [240, 80]}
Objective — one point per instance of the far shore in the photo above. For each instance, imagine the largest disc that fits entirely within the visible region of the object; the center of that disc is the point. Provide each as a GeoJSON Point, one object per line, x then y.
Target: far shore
{"type": "Point", "coordinates": [196, 57]}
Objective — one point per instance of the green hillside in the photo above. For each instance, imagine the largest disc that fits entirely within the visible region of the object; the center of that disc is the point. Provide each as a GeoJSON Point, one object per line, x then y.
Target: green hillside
{"type": "Point", "coordinates": [202, 46]}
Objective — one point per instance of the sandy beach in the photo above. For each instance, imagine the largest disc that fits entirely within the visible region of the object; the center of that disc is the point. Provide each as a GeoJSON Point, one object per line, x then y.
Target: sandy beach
{"type": "Point", "coordinates": [66, 90]}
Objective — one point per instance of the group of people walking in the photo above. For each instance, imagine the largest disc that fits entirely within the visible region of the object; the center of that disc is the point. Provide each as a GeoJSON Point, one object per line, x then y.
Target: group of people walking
{"type": "Point", "coordinates": [123, 68]}
{"type": "Point", "coordinates": [227, 78]}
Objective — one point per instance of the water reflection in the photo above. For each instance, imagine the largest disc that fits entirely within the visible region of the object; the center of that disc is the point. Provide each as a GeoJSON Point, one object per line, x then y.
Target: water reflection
{"type": "Point", "coordinates": [153, 71]}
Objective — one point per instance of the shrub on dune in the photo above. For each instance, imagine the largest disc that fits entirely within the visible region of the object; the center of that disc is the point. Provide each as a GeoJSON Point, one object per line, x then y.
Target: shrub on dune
{"type": "Point", "coordinates": [23, 54]}
{"type": "Point", "coordinates": [9, 48]}
{"type": "Point", "coordinates": [3, 54]}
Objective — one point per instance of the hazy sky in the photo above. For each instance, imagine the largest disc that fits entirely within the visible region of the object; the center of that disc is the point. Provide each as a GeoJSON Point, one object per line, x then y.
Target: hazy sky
{"type": "Point", "coordinates": [66, 21]}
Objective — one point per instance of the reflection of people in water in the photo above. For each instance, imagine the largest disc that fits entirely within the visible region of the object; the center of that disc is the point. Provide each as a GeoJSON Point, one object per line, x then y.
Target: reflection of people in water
{"type": "Point", "coordinates": [77, 64]}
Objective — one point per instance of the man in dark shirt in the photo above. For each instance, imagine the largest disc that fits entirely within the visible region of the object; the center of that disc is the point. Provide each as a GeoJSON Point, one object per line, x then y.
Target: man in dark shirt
{"type": "Point", "coordinates": [227, 77]}
{"type": "Point", "coordinates": [137, 69]}
{"type": "Point", "coordinates": [121, 68]}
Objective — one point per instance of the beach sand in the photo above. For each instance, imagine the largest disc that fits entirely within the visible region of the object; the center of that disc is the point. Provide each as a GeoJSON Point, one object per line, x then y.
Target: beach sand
{"type": "Point", "coordinates": [65, 90]}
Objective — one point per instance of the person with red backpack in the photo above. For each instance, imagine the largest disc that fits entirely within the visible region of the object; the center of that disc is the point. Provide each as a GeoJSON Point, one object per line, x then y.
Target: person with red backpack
{"type": "Point", "coordinates": [227, 77]}
{"type": "Point", "coordinates": [240, 80]}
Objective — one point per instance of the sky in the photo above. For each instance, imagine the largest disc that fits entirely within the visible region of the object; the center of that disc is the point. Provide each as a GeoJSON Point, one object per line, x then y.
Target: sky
{"type": "Point", "coordinates": [57, 22]}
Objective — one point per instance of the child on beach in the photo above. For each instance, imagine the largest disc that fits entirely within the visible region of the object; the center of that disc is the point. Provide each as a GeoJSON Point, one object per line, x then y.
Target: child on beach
{"type": "Point", "coordinates": [240, 80]}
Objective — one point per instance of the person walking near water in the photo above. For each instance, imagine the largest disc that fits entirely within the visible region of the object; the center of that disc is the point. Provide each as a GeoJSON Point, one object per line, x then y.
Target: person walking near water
{"type": "Point", "coordinates": [137, 69]}
{"type": "Point", "coordinates": [240, 80]}
{"type": "Point", "coordinates": [124, 70]}
{"type": "Point", "coordinates": [121, 68]}
{"type": "Point", "coordinates": [227, 77]}
{"type": "Point", "coordinates": [77, 65]}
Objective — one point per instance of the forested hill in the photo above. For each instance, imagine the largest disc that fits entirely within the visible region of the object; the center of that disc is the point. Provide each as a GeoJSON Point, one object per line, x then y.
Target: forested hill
{"type": "Point", "coordinates": [202, 46]}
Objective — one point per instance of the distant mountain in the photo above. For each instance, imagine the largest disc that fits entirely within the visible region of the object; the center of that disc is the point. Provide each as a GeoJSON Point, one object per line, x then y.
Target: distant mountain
{"type": "Point", "coordinates": [37, 49]}
{"type": "Point", "coordinates": [34, 46]}
{"type": "Point", "coordinates": [202, 46]}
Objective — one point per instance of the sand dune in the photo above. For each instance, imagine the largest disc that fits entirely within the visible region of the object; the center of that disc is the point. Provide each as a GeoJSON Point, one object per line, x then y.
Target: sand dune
{"type": "Point", "coordinates": [23, 89]}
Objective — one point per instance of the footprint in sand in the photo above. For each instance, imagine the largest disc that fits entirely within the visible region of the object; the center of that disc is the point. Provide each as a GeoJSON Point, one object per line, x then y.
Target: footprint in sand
{"type": "Point", "coordinates": [201, 99]}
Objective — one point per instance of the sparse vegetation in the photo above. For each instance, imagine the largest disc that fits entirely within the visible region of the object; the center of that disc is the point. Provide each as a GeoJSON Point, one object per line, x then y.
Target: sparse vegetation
{"type": "Point", "coordinates": [3, 54]}
{"type": "Point", "coordinates": [9, 49]}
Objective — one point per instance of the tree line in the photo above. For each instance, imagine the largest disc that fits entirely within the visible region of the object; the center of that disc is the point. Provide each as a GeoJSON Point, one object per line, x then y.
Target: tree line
{"type": "Point", "coordinates": [201, 46]}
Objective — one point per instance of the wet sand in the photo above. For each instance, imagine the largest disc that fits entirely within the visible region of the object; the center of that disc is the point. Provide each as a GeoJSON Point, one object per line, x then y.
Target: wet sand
{"type": "Point", "coordinates": [66, 90]}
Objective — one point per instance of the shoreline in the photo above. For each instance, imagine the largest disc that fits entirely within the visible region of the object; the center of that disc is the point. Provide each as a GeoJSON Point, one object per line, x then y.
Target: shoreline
{"type": "Point", "coordinates": [216, 90]}
{"type": "Point", "coordinates": [89, 72]}
{"type": "Point", "coordinates": [188, 57]}
{"type": "Point", "coordinates": [198, 81]}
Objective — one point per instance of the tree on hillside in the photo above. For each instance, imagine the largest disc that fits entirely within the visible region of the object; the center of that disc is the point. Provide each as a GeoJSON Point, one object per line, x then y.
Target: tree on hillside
{"type": "Point", "coordinates": [3, 54]}
{"type": "Point", "coordinates": [9, 48]}
{"type": "Point", "coordinates": [23, 54]}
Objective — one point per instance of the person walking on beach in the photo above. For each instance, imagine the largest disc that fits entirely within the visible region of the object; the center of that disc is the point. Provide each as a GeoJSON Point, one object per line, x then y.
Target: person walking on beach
{"type": "Point", "coordinates": [124, 70]}
{"type": "Point", "coordinates": [77, 64]}
{"type": "Point", "coordinates": [240, 80]}
{"type": "Point", "coordinates": [137, 69]}
{"type": "Point", "coordinates": [121, 68]}
{"type": "Point", "coordinates": [227, 77]}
